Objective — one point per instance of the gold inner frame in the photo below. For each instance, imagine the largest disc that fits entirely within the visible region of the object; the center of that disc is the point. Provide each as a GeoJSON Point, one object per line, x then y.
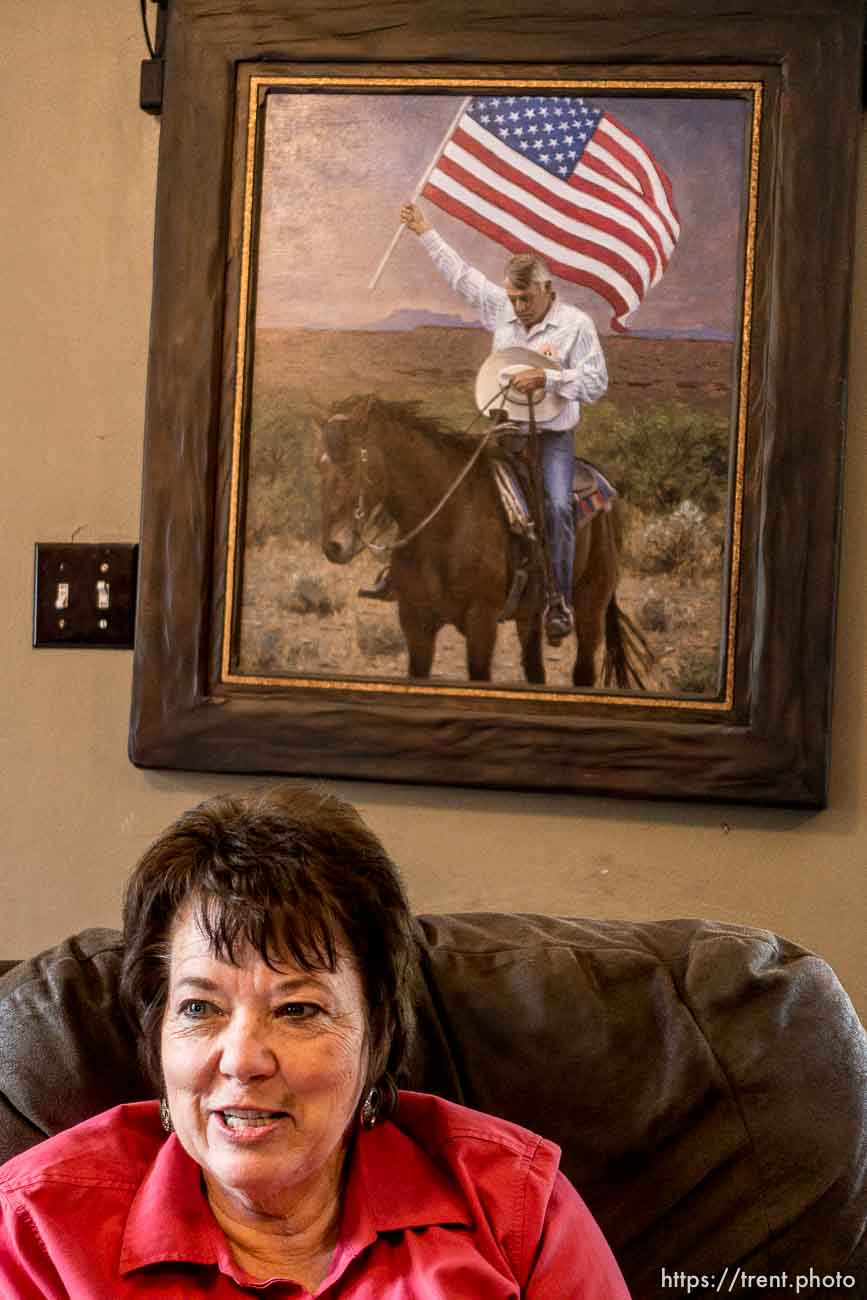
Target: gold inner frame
{"type": "Point", "coordinates": [446, 689]}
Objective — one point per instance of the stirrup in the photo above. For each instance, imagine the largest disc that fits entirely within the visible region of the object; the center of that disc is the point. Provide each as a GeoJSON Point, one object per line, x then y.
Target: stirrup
{"type": "Point", "coordinates": [381, 589]}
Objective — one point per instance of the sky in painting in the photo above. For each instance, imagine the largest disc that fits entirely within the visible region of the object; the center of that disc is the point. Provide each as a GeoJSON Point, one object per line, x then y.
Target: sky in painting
{"type": "Point", "coordinates": [336, 168]}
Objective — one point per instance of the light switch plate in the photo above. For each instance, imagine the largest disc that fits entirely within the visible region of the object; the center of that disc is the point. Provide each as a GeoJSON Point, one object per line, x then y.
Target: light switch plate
{"type": "Point", "coordinates": [84, 595]}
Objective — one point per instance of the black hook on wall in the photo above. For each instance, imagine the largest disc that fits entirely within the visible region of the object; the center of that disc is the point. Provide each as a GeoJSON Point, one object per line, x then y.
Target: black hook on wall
{"type": "Point", "coordinates": [151, 83]}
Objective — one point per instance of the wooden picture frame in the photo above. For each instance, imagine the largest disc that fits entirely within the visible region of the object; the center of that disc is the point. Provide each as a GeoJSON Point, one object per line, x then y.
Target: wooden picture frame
{"type": "Point", "coordinates": [763, 735]}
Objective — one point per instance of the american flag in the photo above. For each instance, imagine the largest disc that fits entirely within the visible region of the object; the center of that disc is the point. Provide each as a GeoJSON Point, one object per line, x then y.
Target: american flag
{"type": "Point", "coordinates": [555, 175]}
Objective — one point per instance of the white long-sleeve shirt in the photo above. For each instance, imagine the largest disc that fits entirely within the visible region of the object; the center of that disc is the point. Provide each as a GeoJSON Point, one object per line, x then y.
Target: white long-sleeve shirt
{"type": "Point", "coordinates": [565, 334]}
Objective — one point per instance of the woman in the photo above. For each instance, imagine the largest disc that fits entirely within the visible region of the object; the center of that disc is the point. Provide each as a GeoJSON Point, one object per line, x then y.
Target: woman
{"type": "Point", "coordinates": [270, 967]}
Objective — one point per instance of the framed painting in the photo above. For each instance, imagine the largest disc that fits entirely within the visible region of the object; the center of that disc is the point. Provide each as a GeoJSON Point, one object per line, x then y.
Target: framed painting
{"type": "Point", "coordinates": [494, 428]}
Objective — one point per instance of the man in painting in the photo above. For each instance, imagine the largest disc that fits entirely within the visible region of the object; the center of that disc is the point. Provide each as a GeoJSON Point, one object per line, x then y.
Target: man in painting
{"type": "Point", "coordinates": [525, 312]}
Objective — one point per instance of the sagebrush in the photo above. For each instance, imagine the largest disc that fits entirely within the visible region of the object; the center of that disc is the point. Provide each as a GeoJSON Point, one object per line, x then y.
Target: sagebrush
{"type": "Point", "coordinates": [659, 454]}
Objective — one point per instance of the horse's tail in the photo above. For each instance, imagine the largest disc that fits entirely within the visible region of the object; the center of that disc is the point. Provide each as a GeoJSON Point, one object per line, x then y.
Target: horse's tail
{"type": "Point", "coordinates": [627, 654]}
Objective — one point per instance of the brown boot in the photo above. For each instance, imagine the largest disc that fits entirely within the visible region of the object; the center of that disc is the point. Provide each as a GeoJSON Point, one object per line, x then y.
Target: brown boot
{"type": "Point", "coordinates": [559, 622]}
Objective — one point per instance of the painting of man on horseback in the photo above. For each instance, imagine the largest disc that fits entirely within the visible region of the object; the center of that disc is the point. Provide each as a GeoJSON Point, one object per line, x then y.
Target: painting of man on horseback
{"type": "Point", "coordinates": [546, 362]}
{"type": "Point", "coordinates": [440, 437]}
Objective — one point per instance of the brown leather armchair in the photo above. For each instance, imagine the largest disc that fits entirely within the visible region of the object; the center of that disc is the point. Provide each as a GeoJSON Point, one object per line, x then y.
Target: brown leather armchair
{"type": "Point", "coordinates": [705, 1081]}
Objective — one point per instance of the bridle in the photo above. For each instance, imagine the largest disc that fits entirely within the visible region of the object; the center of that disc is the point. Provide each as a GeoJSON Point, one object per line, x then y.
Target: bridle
{"type": "Point", "coordinates": [360, 514]}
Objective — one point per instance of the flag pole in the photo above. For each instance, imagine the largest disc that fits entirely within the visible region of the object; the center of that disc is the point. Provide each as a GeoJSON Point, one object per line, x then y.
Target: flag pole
{"type": "Point", "coordinates": [417, 191]}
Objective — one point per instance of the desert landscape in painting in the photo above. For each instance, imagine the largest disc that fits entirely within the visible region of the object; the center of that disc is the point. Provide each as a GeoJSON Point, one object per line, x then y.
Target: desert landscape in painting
{"type": "Point", "coordinates": [662, 434]}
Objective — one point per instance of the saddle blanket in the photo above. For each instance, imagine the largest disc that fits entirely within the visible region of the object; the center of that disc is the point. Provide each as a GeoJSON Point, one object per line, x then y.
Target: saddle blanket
{"type": "Point", "coordinates": [591, 492]}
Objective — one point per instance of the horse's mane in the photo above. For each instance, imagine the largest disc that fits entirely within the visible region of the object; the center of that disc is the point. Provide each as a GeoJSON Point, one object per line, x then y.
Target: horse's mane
{"type": "Point", "coordinates": [408, 414]}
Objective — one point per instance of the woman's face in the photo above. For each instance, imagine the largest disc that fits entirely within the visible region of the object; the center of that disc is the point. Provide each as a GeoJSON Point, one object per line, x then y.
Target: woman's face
{"type": "Point", "coordinates": [263, 1072]}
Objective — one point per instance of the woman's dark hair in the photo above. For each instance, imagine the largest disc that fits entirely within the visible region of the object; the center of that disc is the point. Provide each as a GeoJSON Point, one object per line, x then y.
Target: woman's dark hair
{"type": "Point", "coordinates": [287, 870]}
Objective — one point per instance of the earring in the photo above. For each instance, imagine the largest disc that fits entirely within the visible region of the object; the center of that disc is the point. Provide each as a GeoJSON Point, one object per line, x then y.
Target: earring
{"type": "Point", "coordinates": [370, 1108]}
{"type": "Point", "coordinates": [166, 1116]}
{"type": "Point", "coordinates": [380, 1102]}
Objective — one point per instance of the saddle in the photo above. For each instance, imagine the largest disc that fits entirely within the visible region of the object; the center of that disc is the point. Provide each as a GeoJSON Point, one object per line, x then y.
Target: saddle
{"type": "Point", "coordinates": [591, 492]}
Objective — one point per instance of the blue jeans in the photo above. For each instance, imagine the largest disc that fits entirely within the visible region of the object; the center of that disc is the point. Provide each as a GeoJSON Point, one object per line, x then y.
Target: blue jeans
{"type": "Point", "coordinates": [558, 463]}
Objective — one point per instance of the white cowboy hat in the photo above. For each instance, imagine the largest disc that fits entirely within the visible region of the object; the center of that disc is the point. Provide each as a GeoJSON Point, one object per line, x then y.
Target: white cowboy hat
{"type": "Point", "coordinates": [502, 366]}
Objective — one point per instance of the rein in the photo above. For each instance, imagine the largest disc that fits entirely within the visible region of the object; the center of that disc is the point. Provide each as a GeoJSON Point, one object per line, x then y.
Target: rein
{"type": "Point", "coordinates": [360, 513]}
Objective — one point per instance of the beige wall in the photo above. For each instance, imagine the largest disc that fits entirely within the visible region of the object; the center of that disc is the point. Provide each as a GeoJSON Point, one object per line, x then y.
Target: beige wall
{"type": "Point", "coordinates": [78, 191]}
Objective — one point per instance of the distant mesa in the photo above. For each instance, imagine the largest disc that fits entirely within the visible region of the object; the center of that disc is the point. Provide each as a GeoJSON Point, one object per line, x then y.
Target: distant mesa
{"type": "Point", "coordinates": [406, 318]}
{"type": "Point", "coordinates": [706, 332]}
{"type": "Point", "coordinates": [411, 318]}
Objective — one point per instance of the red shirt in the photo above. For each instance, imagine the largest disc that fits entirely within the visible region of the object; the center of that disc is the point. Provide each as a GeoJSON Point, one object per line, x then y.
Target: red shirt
{"type": "Point", "coordinates": [444, 1202]}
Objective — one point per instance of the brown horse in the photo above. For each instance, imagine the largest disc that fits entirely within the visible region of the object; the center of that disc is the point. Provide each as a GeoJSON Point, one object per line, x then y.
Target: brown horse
{"type": "Point", "coordinates": [375, 456]}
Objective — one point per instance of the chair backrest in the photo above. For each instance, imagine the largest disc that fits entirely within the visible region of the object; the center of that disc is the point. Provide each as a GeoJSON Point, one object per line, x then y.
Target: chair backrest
{"type": "Point", "coordinates": [705, 1081]}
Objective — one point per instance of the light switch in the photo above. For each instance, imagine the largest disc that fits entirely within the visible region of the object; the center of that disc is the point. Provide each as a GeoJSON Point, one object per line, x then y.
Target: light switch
{"type": "Point", "coordinates": [84, 595]}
